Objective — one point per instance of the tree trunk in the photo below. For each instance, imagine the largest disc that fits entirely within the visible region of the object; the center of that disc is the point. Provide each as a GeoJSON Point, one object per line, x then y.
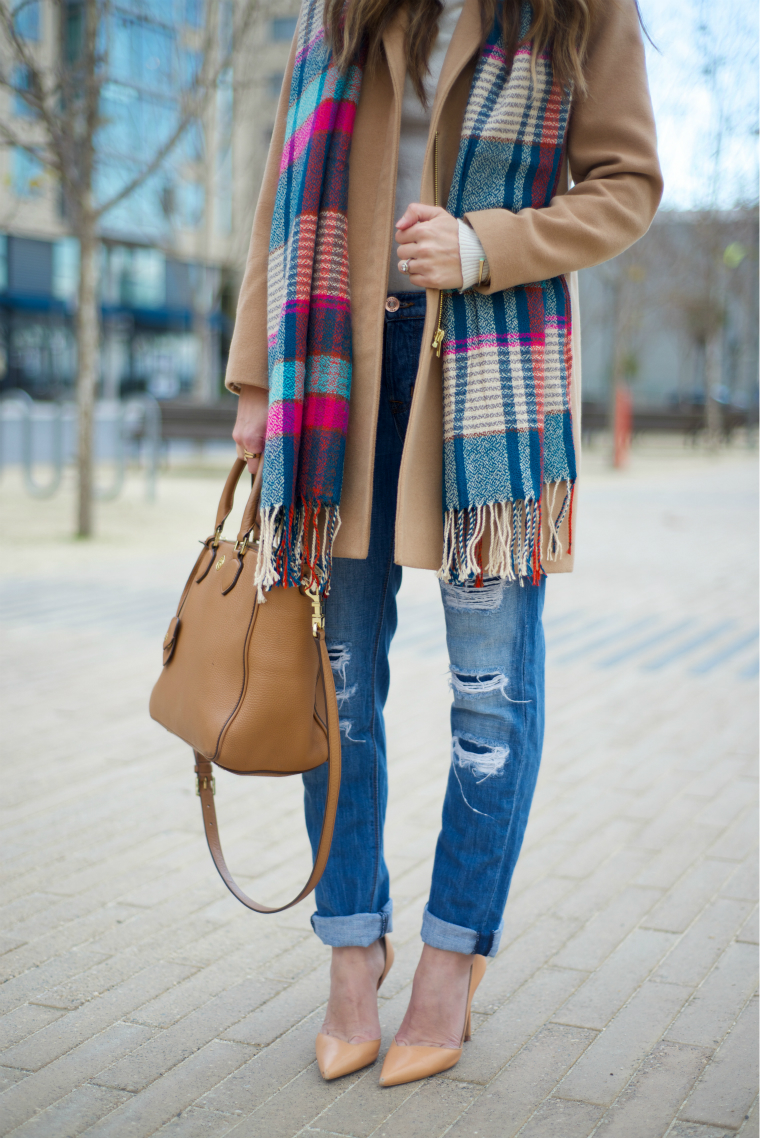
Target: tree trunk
{"type": "Point", "coordinates": [616, 363]}
{"type": "Point", "coordinates": [713, 381]}
{"type": "Point", "coordinates": [87, 376]}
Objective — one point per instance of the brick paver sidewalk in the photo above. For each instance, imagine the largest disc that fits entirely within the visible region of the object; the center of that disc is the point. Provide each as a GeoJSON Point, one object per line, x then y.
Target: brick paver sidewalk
{"type": "Point", "coordinates": [139, 998]}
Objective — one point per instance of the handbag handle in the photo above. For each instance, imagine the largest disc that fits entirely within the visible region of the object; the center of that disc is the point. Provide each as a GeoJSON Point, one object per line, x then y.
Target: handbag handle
{"type": "Point", "coordinates": [228, 497]}
{"type": "Point", "coordinates": [203, 770]}
{"type": "Point", "coordinates": [228, 493]}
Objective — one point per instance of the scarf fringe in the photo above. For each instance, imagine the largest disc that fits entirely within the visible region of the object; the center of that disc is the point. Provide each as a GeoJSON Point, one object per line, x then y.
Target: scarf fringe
{"type": "Point", "coordinates": [294, 549]}
{"type": "Point", "coordinates": [515, 532]}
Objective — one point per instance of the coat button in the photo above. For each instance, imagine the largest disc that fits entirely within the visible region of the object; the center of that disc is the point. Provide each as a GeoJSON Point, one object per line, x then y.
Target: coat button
{"type": "Point", "coordinates": [392, 304]}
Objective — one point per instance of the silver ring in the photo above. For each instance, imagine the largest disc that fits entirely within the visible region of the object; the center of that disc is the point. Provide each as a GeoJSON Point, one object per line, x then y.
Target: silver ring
{"type": "Point", "coordinates": [404, 266]}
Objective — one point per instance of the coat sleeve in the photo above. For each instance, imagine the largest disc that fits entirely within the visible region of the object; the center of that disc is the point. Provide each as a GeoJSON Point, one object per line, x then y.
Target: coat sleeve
{"type": "Point", "coordinates": [247, 361]}
{"type": "Point", "coordinates": [612, 154]}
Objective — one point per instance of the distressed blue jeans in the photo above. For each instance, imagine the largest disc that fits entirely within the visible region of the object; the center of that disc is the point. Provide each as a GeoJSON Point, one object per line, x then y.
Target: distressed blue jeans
{"type": "Point", "coordinates": [496, 654]}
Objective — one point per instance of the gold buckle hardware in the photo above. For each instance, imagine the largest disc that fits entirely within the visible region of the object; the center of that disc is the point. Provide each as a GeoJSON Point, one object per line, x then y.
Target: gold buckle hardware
{"type": "Point", "coordinates": [204, 783]}
{"type": "Point", "coordinates": [217, 537]}
{"type": "Point", "coordinates": [243, 546]}
{"type": "Point", "coordinates": [317, 615]}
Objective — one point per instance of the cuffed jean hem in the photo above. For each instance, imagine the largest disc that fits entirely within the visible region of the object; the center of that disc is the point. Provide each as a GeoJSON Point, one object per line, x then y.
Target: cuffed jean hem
{"type": "Point", "coordinates": [359, 930]}
{"type": "Point", "coordinates": [456, 938]}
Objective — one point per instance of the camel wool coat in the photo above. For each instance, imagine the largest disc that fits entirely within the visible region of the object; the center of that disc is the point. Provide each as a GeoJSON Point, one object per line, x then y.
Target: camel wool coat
{"type": "Point", "coordinates": [610, 192]}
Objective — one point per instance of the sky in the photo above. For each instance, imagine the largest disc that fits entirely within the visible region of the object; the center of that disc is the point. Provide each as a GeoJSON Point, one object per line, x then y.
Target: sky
{"type": "Point", "coordinates": [704, 84]}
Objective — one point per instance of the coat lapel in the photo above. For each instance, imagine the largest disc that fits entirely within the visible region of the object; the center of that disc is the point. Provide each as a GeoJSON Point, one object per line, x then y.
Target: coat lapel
{"type": "Point", "coordinates": [464, 43]}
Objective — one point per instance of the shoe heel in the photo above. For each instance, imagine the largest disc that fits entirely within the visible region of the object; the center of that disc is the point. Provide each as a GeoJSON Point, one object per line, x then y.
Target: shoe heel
{"type": "Point", "coordinates": [477, 972]}
{"type": "Point", "coordinates": [389, 957]}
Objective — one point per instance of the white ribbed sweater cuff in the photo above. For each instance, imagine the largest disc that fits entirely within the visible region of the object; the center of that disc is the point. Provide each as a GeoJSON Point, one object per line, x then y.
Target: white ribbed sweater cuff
{"type": "Point", "coordinates": [470, 254]}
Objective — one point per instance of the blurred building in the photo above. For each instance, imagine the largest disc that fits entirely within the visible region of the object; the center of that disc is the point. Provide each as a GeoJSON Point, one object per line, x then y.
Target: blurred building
{"type": "Point", "coordinates": [173, 251]}
{"type": "Point", "coordinates": [690, 285]}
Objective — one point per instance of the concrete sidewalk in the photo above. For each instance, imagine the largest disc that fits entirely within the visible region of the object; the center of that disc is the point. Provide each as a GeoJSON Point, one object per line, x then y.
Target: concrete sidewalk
{"type": "Point", "coordinates": [139, 998]}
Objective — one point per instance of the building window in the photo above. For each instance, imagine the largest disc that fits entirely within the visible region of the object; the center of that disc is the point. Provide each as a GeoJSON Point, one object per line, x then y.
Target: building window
{"type": "Point", "coordinates": [191, 146]}
{"type": "Point", "coordinates": [30, 266]}
{"type": "Point", "coordinates": [21, 80]}
{"type": "Point", "coordinates": [26, 19]}
{"type": "Point", "coordinates": [284, 28]}
{"type": "Point", "coordinates": [133, 122]}
{"type": "Point", "coordinates": [164, 11]}
{"type": "Point", "coordinates": [194, 13]}
{"type": "Point", "coordinates": [66, 269]}
{"type": "Point", "coordinates": [142, 213]}
{"type": "Point", "coordinates": [28, 174]}
{"type": "Point", "coordinates": [142, 53]}
{"type": "Point", "coordinates": [133, 277]}
{"type": "Point", "coordinates": [148, 278]}
{"type": "Point", "coordinates": [192, 62]}
{"type": "Point", "coordinates": [191, 201]}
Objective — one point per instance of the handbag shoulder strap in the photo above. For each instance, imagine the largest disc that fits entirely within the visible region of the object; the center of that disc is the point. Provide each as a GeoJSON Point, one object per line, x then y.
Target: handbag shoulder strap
{"type": "Point", "coordinates": [203, 770]}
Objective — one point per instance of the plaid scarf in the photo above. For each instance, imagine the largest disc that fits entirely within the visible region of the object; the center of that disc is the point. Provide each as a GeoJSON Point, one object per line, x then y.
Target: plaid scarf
{"type": "Point", "coordinates": [308, 319]}
{"type": "Point", "coordinates": [506, 361]}
{"type": "Point", "coordinates": [506, 357]}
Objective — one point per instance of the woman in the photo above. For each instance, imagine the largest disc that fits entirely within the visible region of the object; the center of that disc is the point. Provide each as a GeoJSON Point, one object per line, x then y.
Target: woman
{"type": "Point", "coordinates": [441, 373]}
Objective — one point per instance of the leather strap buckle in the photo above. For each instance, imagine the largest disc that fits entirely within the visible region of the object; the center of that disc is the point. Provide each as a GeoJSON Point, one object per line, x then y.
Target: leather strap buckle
{"type": "Point", "coordinates": [317, 612]}
{"type": "Point", "coordinates": [204, 782]}
{"type": "Point", "coordinates": [243, 546]}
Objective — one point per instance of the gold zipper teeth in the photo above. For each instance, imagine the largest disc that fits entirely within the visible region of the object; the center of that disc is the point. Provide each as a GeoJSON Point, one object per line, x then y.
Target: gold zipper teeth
{"type": "Point", "coordinates": [437, 343]}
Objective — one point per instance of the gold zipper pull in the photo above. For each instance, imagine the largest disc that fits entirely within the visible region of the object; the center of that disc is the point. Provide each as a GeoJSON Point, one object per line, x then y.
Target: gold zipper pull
{"type": "Point", "coordinates": [437, 343]}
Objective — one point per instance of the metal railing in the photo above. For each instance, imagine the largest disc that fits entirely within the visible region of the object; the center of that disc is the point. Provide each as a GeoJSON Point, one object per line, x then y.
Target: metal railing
{"type": "Point", "coordinates": [131, 420]}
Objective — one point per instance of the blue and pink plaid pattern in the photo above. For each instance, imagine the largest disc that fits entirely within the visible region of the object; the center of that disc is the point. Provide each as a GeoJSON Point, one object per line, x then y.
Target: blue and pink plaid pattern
{"type": "Point", "coordinates": [506, 356]}
{"type": "Point", "coordinates": [308, 319]}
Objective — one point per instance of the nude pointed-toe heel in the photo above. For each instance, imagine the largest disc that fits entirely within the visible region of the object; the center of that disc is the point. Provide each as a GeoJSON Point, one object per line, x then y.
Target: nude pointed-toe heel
{"type": "Point", "coordinates": [335, 1057]}
{"type": "Point", "coordinates": [406, 1064]}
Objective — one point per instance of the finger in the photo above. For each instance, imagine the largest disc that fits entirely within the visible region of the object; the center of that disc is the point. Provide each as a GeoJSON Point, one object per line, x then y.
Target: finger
{"type": "Point", "coordinates": [407, 252]}
{"type": "Point", "coordinates": [421, 212]}
{"type": "Point", "coordinates": [411, 235]}
{"type": "Point", "coordinates": [409, 217]}
{"type": "Point", "coordinates": [418, 211]}
{"type": "Point", "coordinates": [252, 445]}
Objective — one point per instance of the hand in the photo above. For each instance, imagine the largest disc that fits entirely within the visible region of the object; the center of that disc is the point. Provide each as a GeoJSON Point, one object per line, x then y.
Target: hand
{"type": "Point", "coordinates": [250, 430]}
{"type": "Point", "coordinates": [428, 237]}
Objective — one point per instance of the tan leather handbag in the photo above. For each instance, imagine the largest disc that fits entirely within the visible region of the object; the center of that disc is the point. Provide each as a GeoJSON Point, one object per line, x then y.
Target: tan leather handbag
{"type": "Point", "coordinates": [249, 685]}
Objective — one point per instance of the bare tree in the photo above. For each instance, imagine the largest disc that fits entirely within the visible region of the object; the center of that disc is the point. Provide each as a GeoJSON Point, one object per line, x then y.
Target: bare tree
{"type": "Point", "coordinates": [731, 122]}
{"type": "Point", "coordinates": [64, 94]}
{"type": "Point", "coordinates": [625, 279]}
{"type": "Point", "coordinates": [706, 289]}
